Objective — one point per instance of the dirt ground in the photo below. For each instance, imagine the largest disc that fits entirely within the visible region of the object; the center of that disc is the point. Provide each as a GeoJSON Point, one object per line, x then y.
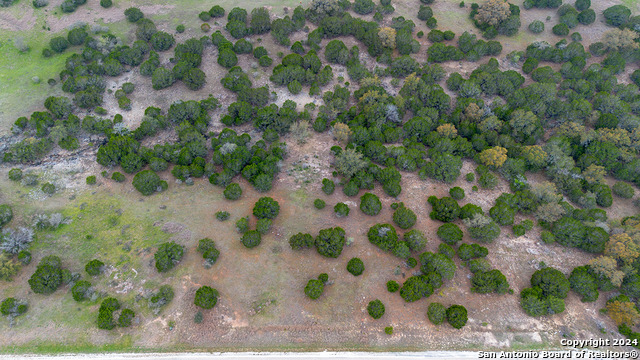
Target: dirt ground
{"type": "Point", "coordinates": [262, 303]}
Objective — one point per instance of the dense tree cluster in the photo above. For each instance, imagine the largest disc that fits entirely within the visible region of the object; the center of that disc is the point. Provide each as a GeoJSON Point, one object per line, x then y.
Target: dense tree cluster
{"type": "Point", "coordinates": [549, 288]}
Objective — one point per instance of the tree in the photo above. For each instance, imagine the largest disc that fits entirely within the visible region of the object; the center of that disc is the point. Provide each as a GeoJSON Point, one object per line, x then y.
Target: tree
{"type": "Point", "coordinates": [58, 44]}
{"type": "Point", "coordinates": [621, 189]}
{"type": "Point", "coordinates": [551, 282]}
{"type": "Point", "coordinates": [415, 240]}
{"type": "Point", "coordinates": [607, 268]}
{"type": "Point", "coordinates": [457, 316]}
{"type": "Point", "coordinates": [227, 58]}
{"type": "Point", "coordinates": [437, 263]}
{"type": "Point", "coordinates": [582, 4]}
{"type": "Point", "coordinates": [492, 281]}
{"type": "Point", "coordinates": [349, 162]}
{"type": "Point", "coordinates": [94, 267]}
{"type": "Point", "coordinates": [363, 7]}
{"type": "Point", "coordinates": [587, 17]}
{"type": "Point", "coordinates": [617, 15]}
{"type": "Point", "coordinates": [536, 26]}
{"type": "Point", "coordinates": [405, 218]}
{"type": "Point", "coordinates": [443, 167]}
{"type": "Point", "coordinates": [314, 288]}
{"type": "Point", "coordinates": [375, 309]}
{"type": "Point", "coordinates": [133, 14]}
{"type": "Point", "coordinates": [251, 239]}
{"type": "Point", "coordinates": [260, 22]}
{"type": "Point", "coordinates": [194, 79]}
{"type": "Point", "coordinates": [370, 204]}
{"type": "Point", "coordinates": [162, 41]}
{"type": "Point", "coordinates": [206, 297]}
{"type": "Point", "coordinates": [162, 78]}
{"type": "Point", "coordinates": [126, 317]}
{"type": "Point", "coordinates": [622, 247]}
{"type": "Point", "coordinates": [355, 266]}
{"type": "Point", "coordinates": [266, 208]}
{"type": "Point", "coordinates": [162, 297]}
{"type": "Point", "coordinates": [105, 313]}
{"type": "Point", "coordinates": [207, 248]}
{"type": "Point", "coordinates": [341, 210]}
{"type": "Point", "coordinates": [8, 267]}
{"type": "Point", "coordinates": [584, 283]}
{"type": "Point", "coordinates": [560, 30]}
{"type": "Point", "coordinates": [450, 233]}
{"type": "Point", "coordinates": [437, 313]}
{"type": "Point", "coordinates": [493, 157]}
{"type": "Point", "coordinates": [12, 307]}
{"type": "Point", "coordinates": [168, 255]}
{"type": "Point", "coordinates": [48, 276]}
{"type": "Point", "coordinates": [493, 12]}
{"type": "Point", "coordinates": [444, 209]}
{"type": "Point", "coordinates": [147, 182]}
{"type": "Point", "coordinates": [76, 36]}
{"type": "Point", "coordinates": [216, 11]}
{"type": "Point", "coordinates": [81, 290]}
{"type": "Point", "coordinates": [6, 214]}
{"type": "Point", "coordinates": [482, 228]}
{"type": "Point", "coordinates": [387, 36]}
{"type": "Point", "coordinates": [301, 240]}
{"type": "Point", "coordinates": [330, 242]}
{"type": "Point", "coordinates": [617, 39]}
{"type": "Point", "coordinates": [415, 288]}
{"type": "Point", "coordinates": [623, 312]}
{"type": "Point", "coordinates": [502, 214]}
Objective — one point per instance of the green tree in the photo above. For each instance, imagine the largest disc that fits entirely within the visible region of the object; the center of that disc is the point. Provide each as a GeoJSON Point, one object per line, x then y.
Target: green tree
{"type": "Point", "coordinates": [330, 242]}
{"type": "Point", "coordinates": [457, 316]}
{"type": "Point", "coordinates": [314, 288]}
{"type": "Point", "coordinates": [349, 162]}
{"type": "Point", "coordinates": [355, 266]}
{"type": "Point", "coordinates": [370, 204]}
{"type": "Point", "coordinates": [437, 313]}
{"type": "Point", "coordinates": [251, 238]}
{"type": "Point", "coordinates": [266, 208]}
{"type": "Point", "coordinates": [168, 255]}
{"type": "Point", "coordinates": [206, 297]}
{"type": "Point", "coordinates": [375, 309]}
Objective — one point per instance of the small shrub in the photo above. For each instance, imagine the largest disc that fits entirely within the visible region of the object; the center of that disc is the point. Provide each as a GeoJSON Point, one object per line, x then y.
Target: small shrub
{"type": "Point", "coordinates": [536, 26]}
{"type": "Point", "coordinates": [263, 226]}
{"type": "Point", "coordinates": [91, 180]}
{"type": "Point", "coordinates": [222, 215]}
{"type": "Point", "coordinates": [168, 255]}
{"type": "Point", "coordinates": [328, 186]}
{"type": "Point", "coordinates": [251, 239]}
{"type": "Point", "coordinates": [392, 286]}
{"type": "Point", "coordinates": [233, 191]}
{"type": "Point", "coordinates": [314, 288]}
{"type": "Point", "coordinates": [206, 297]}
{"type": "Point", "coordinates": [341, 210]}
{"type": "Point", "coordinates": [457, 193]}
{"type": "Point", "coordinates": [118, 177]}
{"type": "Point", "coordinates": [207, 248]}
{"type": "Point", "coordinates": [389, 329]}
{"type": "Point", "coordinates": [319, 204]}
{"type": "Point", "coordinates": [15, 174]}
{"type": "Point", "coordinates": [267, 208]}
{"type": "Point", "coordinates": [437, 313]}
{"type": "Point", "coordinates": [94, 267]}
{"type": "Point", "coordinates": [375, 309]}
{"type": "Point", "coordinates": [457, 316]}
{"type": "Point", "coordinates": [242, 225]}
{"type": "Point", "coordinates": [355, 266]}
{"type": "Point", "coordinates": [370, 204]}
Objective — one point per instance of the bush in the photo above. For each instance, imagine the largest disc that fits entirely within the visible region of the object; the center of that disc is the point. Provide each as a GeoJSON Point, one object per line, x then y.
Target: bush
{"type": "Point", "coordinates": [207, 248]}
{"type": "Point", "coordinates": [81, 290]}
{"type": "Point", "coordinates": [319, 204]}
{"type": "Point", "coordinates": [194, 79]}
{"type": "Point", "coordinates": [94, 267]}
{"type": "Point", "coordinates": [415, 240]}
{"type": "Point", "coordinates": [6, 214]}
{"type": "Point", "coordinates": [623, 190]}
{"type": "Point", "coordinates": [105, 313]}
{"type": "Point", "coordinates": [392, 286]}
{"type": "Point", "coordinates": [363, 7]}
{"type": "Point", "coordinates": [15, 174]}
{"type": "Point", "coordinates": [266, 208]}
{"type": "Point", "coordinates": [301, 240]}
{"type": "Point", "coordinates": [180, 29]}
{"type": "Point", "coordinates": [330, 242]}
{"type": "Point", "coordinates": [341, 210]}
{"type": "Point", "coordinates": [58, 44]}
{"type": "Point", "coordinates": [370, 204]}
{"type": "Point", "coordinates": [12, 307]}
{"type": "Point", "coordinates": [133, 14]}
{"type": "Point", "coordinates": [227, 58]}
{"type": "Point", "coordinates": [404, 218]}
{"type": "Point", "coordinates": [436, 313]}
{"type": "Point", "coordinates": [216, 11]}
{"type": "Point", "coordinates": [265, 61]}
{"type": "Point", "coordinates": [457, 316]}
{"type": "Point", "coordinates": [383, 236]}
{"type": "Point", "coordinates": [204, 16]}
{"type": "Point", "coordinates": [492, 281]}
{"type": "Point", "coordinates": [389, 329]}
{"type": "Point", "coordinates": [168, 255]}
{"type": "Point", "coordinates": [617, 15]}
{"type": "Point", "coordinates": [587, 17]}
{"type": "Point", "coordinates": [147, 182]}
{"type": "Point", "coordinates": [222, 215]}
{"type": "Point", "coordinates": [126, 317]}
{"type": "Point", "coordinates": [314, 288]}
{"type": "Point", "coordinates": [162, 297]}
{"type": "Point", "coordinates": [47, 277]}
{"type": "Point", "coordinates": [375, 309]}
{"type": "Point", "coordinates": [560, 30]}
{"type": "Point", "coordinates": [584, 283]}
{"type": "Point", "coordinates": [24, 257]}
{"type": "Point", "coordinates": [445, 209]}
{"type": "Point", "coordinates": [551, 282]}
{"type": "Point", "coordinates": [355, 266]}
{"type": "Point", "coordinates": [450, 233]}
{"type": "Point", "coordinates": [118, 177]}
{"type": "Point", "coordinates": [457, 193]}
{"type": "Point", "coordinates": [162, 78]}
{"type": "Point", "coordinates": [206, 297]}
{"type": "Point", "coordinates": [242, 225]}
{"type": "Point", "coordinates": [536, 26]}
{"type": "Point", "coordinates": [232, 191]}
{"type": "Point", "coordinates": [251, 239]}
